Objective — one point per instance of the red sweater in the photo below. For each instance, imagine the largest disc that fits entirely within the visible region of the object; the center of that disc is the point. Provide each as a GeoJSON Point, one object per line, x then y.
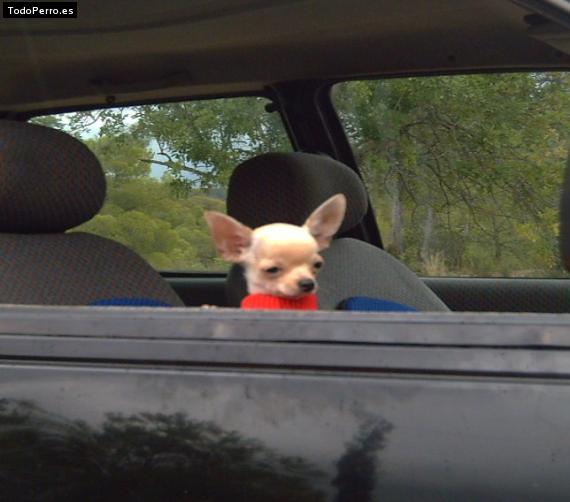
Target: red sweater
{"type": "Point", "coordinates": [270, 302]}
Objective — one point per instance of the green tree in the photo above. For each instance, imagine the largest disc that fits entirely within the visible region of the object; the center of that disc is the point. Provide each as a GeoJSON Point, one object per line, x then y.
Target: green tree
{"type": "Point", "coordinates": [467, 168]}
{"type": "Point", "coordinates": [203, 141]}
{"type": "Point", "coordinates": [122, 156]}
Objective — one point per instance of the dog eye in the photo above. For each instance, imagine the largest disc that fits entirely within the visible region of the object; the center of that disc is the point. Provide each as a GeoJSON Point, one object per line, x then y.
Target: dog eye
{"type": "Point", "coordinates": [273, 270]}
{"type": "Point", "coordinates": [318, 264]}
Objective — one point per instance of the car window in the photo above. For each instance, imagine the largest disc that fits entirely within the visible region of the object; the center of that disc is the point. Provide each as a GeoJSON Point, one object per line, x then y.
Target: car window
{"type": "Point", "coordinates": [167, 163]}
{"type": "Point", "coordinates": [464, 172]}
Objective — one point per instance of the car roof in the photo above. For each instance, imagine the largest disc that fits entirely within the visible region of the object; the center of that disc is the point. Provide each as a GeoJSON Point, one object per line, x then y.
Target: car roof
{"type": "Point", "coordinates": [120, 51]}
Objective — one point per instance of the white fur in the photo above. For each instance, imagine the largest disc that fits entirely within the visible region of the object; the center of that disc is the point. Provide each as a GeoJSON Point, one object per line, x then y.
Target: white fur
{"type": "Point", "coordinates": [293, 250]}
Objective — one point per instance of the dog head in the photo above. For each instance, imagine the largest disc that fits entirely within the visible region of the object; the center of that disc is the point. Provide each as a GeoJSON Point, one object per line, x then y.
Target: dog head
{"type": "Point", "coordinates": [279, 259]}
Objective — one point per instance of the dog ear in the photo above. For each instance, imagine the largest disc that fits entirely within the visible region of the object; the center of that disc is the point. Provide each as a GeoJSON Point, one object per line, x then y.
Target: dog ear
{"type": "Point", "coordinates": [231, 238]}
{"type": "Point", "coordinates": [325, 221]}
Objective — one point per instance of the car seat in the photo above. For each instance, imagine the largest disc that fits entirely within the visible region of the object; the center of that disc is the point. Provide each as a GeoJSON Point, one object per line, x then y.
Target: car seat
{"type": "Point", "coordinates": [50, 183]}
{"type": "Point", "coordinates": [287, 187]}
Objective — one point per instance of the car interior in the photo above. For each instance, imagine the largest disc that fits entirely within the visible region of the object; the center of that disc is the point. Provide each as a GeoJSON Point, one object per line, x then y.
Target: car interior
{"type": "Point", "coordinates": [75, 96]}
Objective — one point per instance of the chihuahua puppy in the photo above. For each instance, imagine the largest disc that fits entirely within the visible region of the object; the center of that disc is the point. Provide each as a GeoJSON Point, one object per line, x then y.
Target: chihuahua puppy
{"type": "Point", "coordinates": [279, 259]}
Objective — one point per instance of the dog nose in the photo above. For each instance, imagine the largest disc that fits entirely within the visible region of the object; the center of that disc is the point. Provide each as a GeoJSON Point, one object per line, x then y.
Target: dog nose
{"type": "Point", "coordinates": [306, 285]}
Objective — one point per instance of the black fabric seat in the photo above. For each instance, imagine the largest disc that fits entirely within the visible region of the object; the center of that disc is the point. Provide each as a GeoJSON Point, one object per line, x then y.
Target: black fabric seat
{"type": "Point", "coordinates": [279, 187]}
{"type": "Point", "coordinates": [49, 183]}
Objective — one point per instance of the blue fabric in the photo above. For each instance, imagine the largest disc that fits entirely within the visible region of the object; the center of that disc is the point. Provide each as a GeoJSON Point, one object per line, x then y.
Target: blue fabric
{"type": "Point", "coordinates": [366, 304]}
{"type": "Point", "coordinates": [130, 302]}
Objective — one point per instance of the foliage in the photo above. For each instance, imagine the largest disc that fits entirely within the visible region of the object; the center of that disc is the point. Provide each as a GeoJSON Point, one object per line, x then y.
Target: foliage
{"type": "Point", "coordinates": [464, 172]}
{"type": "Point", "coordinates": [203, 141]}
{"type": "Point", "coordinates": [165, 165]}
{"type": "Point", "coordinates": [168, 231]}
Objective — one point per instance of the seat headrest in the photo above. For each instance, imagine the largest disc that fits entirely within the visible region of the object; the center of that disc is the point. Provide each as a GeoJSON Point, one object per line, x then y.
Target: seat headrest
{"type": "Point", "coordinates": [49, 181]}
{"type": "Point", "coordinates": [287, 187]}
{"type": "Point", "coordinates": [565, 218]}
